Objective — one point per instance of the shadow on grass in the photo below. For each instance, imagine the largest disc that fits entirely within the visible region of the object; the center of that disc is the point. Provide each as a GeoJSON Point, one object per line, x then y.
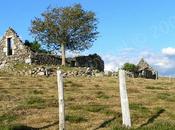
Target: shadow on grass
{"type": "Point", "coordinates": [22, 127]}
{"type": "Point", "coordinates": [47, 126]}
{"type": "Point", "coordinates": [152, 119]}
{"type": "Point", "coordinates": [105, 123]}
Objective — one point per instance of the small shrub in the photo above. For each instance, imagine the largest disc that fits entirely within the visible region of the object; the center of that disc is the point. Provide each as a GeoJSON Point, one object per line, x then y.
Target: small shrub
{"type": "Point", "coordinates": [130, 67]}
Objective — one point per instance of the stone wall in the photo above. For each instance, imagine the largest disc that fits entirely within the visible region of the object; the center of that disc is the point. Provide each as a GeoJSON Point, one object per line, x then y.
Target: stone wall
{"type": "Point", "coordinates": [19, 52]}
{"type": "Point", "coordinates": [45, 59]}
{"type": "Point", "coordinates": [93, 61]}
{"type": "Point", "coordinates": [15, 50]}
{"type": "Point", "coordinates": [76, 72]}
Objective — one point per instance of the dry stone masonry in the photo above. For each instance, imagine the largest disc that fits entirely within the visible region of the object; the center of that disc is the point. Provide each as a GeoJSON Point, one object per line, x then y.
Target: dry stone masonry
{"type": "Point", "coordinates": [12, 49]}
{"type": "Point", "coordinates": [145, 70]}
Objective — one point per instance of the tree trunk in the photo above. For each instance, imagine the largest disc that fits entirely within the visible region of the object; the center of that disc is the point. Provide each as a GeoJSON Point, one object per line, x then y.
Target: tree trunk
{"type": "Point", "coordinates": [63, 55]}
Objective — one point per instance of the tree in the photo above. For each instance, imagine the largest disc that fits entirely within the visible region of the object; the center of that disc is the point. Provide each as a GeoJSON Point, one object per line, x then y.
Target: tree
{"type": "Point", "coordinates": [130, 67]}
{"type": "Point", "coordinates": [66, 28]}
{"type": "Point", "coordinates": [36, 47]}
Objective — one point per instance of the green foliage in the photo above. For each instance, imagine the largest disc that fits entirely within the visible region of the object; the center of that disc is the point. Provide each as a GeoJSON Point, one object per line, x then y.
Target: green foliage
{"type": "Point", "coordinates": [36, 47]}
{"type": "Point", "coordinates": [130, 67]}
{"type": "Point", "coordinates": [71, 28]}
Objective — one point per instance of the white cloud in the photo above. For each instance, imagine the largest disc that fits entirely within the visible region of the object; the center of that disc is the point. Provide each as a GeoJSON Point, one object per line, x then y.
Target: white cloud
{"type": "Point", "coordinates": [111, 63]}
{"type": "Point", "coordinates": [168, 51]}
{"type": "Point", "coordinates": [159, 61]}
{"type": "Point", "coordinates": [111, 67]}
{"type": "Point", "coordinates": [165, 63]}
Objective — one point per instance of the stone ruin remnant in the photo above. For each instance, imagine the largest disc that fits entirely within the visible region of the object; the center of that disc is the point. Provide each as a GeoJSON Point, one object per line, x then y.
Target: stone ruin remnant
{"type": "Point", "coordinates": [13, 49]}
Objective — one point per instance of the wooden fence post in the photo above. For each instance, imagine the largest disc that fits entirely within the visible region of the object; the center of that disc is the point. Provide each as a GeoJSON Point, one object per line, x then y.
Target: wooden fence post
{"type": "Point", "coordinates": [157, 77]}
{"type": "Point", "coordinates": [124, 99]}
{"type": "Point", "coordinates": [170, 78]}
{"type": "Point", "coordinates": [61, 100]}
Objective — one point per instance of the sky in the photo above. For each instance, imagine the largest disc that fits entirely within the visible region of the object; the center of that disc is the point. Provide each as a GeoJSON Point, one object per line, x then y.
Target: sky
{"type": "Point", "coordinates": [128, 29]}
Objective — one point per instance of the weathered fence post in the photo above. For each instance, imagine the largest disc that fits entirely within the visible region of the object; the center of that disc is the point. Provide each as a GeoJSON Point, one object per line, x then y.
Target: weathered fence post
{"type": "Point", "coordinates": [61, 100]}
{"type": "Point", "coordinates": [170, 78]}
{"type": "Point", "coordinates": [124, 99]}
{"type": "Point", "coordinates": [157, 75]}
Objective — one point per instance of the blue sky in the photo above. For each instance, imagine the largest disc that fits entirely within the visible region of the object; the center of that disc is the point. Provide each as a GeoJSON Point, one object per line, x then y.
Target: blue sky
{"type": "Point", "coordinates": [129, 29]}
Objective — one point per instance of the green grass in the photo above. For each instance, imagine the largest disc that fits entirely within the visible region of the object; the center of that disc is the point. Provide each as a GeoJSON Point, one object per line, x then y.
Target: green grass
{"type": "Point", "coordinates": [153, 87]}
{"type": "Point", "coordinates": [138, 107]}
{"type": "Point", "coordinates": [66, 68]}
{"type": "Point", "coordinates": [95, 108]}
{"type": "Point", "coordinates": [37, 92]}
{"type": "Point", "coordinates": [15, 127]}
{"type": "Point", "coordinates": [138, 110]}
{"type": "Point", "coordinates": [75, 118]}
{"type": "Point", "coordinates": [166, 97]}
{"type": "Point", "coordinates": [102, 95]}
{"type": "Point", "coordinates": [20, 66]}
{"type": "Point", "coordinates": [89, 102]}
{"type": "Point", "coordinates": [33, 102]}
{"type": "Point", "coordinates": [157, 126]}
{"type": "Point", "coordinates": [75, 107]}
{"type": "Point", "coordinates": [9, 117]}
{"type": "Point", "coordinates": [5, 128]}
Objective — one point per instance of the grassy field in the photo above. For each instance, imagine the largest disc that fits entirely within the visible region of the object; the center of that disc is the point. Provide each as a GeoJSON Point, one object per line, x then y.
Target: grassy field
{"type": "Point", "coordinates": [90, 103]}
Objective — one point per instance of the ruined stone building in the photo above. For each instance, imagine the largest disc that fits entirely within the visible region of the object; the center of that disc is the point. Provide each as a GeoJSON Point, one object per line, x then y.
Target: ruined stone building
{"type": "Point", "coordinates": [145, 70]}
{"type": "Point", "coordinates": [12, 49]}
